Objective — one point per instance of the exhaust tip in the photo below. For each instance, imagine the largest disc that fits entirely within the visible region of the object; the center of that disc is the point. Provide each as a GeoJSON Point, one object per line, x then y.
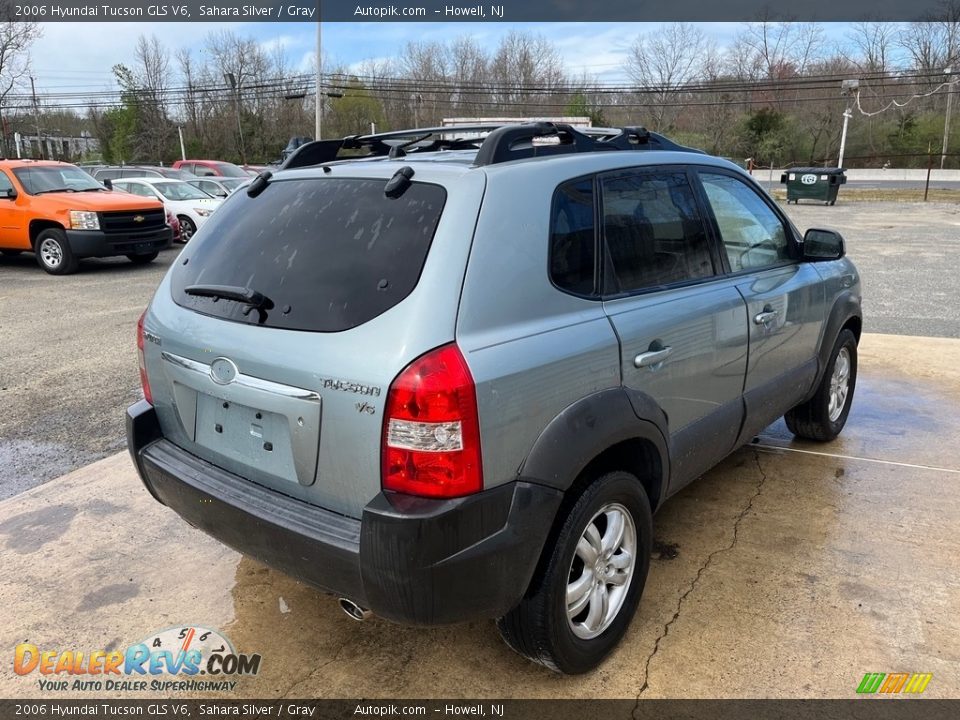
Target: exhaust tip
{"type": "Point", "coordinates": [353, 610]}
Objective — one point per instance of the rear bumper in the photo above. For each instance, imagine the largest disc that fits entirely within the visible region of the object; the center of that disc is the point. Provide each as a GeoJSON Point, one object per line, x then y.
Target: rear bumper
{"type": "Point", "coordinates": [412, 560]}
{"type": "Point", "coordinates": [96, 243]}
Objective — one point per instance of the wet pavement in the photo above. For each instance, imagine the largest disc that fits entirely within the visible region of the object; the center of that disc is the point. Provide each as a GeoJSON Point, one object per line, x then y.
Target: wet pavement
{"type": "Point", "coordinates": [789, 570]}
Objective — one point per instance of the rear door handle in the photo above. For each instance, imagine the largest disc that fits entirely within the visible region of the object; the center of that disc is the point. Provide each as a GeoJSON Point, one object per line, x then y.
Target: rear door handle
{"type": "Point", "coordinates": [652, 358]}
{"type": "Point", "coordinates": [766, 316]}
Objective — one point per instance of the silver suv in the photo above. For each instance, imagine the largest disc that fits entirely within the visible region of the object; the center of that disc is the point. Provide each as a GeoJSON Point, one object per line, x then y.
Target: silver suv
{"type": "Point", "coordinates": [454, 375]}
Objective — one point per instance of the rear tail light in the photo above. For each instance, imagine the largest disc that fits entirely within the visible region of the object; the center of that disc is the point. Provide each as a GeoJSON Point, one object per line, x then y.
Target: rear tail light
{"type": "Point", "coordinates": [144, 381]}
{"type": "Point", "coordinates": [431, 429]}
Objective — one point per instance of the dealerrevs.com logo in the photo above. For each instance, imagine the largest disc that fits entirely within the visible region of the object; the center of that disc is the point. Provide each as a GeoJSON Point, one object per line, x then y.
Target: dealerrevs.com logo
{"type": "Point", "coordinates": [185, 658]}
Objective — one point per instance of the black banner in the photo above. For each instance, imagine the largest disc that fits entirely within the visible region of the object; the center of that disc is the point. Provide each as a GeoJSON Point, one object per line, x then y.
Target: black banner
{"type": "Point", "coordinates": [468, 11]}
{"type": "Point", "coordinates": [874, 708]}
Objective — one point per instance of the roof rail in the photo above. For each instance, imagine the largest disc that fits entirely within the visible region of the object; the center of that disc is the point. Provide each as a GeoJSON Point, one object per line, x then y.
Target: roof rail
{"type": "Point", "coordinates": [503, 142]}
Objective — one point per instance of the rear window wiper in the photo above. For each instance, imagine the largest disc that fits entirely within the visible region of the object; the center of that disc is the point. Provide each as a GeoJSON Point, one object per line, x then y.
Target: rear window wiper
{"type": "Point", "coordinates": [253, 299]}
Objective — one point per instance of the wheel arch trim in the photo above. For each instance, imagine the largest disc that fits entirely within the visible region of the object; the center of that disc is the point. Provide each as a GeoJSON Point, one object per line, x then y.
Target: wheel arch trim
{"type": "Point", "coordinates": [846, 308]}
{"type": "Point", "coordinates": [590, 427]}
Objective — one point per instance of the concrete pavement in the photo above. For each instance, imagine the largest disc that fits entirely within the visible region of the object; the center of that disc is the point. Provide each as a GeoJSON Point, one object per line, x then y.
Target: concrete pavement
{"type": "Point", "coordinates": [788, 571]}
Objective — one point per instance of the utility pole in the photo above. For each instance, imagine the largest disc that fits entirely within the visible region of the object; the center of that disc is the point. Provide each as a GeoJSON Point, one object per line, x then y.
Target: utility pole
{"type": "Point", "coordinates": [843, 136]}
{"type": "Point", "coordinates": [36, 116]}
{"type": "Point", "coordinates": [183, 152]}
{"type": "Point", "coordinates": [232, 79]}
{"type": "Point", "coordinates": [847, 88]}
{"type": "Point", "coordinates": [318, 120]}
{"type": "Point", "coordinates": [946, 120]}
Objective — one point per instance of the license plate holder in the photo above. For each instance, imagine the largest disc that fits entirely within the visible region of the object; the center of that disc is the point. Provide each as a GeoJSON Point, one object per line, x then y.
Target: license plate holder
{"type": "Point", "coordinates": [245, 434]}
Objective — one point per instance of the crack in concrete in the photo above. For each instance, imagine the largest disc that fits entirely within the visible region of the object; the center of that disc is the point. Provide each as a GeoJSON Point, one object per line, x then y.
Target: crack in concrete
{"type": "Point", "coordinates": [696, 580]}
{"type": "Point", "coordinates": [312, 673]}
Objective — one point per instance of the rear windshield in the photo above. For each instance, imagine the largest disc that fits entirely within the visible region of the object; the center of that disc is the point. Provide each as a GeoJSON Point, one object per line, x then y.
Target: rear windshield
{"type": "Point", "coordinates": [330, 254]}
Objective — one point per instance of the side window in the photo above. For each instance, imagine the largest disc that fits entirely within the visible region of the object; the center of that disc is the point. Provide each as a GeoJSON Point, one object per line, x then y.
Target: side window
{"type": "Point", "coordinates": [5, 185]}
{"type": "Point", "coordinates": [653, 231]}
{"type": "Point", "coordinates": [753, 236]}
{"type": "Point", "coordinates": [107, 174]}
{"type": "Point", "coordinates": [203, 171]}
{"type": "Point", "coordinates": [572, 247]}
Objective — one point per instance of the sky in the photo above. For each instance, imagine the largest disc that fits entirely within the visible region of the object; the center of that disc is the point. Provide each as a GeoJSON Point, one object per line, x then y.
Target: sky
{"type": "Point", "coordinates": [78, 56]}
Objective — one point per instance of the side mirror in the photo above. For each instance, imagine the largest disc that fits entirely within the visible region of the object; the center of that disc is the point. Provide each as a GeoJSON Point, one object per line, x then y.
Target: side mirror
{"type": "Point", "coordinates": [820, 244]}
{"type": "Point", "coordinates": [10, 194]}
{"type": "Point", "coordinates": [108, 183]}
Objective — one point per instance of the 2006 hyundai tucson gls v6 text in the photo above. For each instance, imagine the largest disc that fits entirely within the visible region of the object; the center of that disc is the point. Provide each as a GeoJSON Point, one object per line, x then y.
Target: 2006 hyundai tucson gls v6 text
{"type": "Point", "coordinates": [453, 377]}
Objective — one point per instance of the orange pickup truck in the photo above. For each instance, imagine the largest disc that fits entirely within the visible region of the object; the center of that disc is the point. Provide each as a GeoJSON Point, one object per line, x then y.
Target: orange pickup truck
{"type": "Point", "coordinates": [61, 214]}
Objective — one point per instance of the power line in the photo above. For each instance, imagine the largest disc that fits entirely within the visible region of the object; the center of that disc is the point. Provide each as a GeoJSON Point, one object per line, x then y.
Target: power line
{"type": "Point", "coordinates": [341, 80]}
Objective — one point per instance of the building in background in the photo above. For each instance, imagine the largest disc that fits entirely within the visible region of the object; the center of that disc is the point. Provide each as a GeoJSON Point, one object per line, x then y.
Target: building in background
{"type": "Point", "coordinates": [54, 147]}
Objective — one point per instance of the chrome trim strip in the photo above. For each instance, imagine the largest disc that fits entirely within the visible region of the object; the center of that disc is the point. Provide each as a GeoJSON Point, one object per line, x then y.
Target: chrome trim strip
{"type": "Point", "coordinates": [247, 381]}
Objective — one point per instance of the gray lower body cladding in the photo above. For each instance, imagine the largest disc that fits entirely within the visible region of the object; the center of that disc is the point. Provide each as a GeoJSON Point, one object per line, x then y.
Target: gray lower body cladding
{"type": "Point", "coordinates": [412, 560]}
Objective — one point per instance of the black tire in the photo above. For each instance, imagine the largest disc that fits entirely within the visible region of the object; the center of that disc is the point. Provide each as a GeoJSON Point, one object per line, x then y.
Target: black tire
{"type": "Point", "coordinates": [811, 420]}
{"type": "Point", "coordinates": [187, 228]}
{"type": "Point", "coordinates": [10, 253]}
{"type": "Point", "coordinates": [53, 252]}
{"type": "Point", "coordinates": [143, 259]}
{"type": "Point", "coordinates": [538, 628]}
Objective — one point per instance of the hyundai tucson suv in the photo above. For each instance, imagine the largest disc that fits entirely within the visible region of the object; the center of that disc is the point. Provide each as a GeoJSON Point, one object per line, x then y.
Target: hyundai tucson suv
{"type": "Point", "coordinates": [454, 377]}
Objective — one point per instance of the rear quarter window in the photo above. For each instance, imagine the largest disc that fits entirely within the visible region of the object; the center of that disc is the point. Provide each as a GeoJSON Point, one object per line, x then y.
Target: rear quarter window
{"type": "Point", "coordinates": [572, 241]}
{"type": "Point", "coordinates": [330, 253]}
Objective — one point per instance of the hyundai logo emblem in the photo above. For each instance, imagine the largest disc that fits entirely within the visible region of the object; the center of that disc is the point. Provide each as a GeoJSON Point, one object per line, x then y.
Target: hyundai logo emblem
{"type": "Point", "coordinates": [223, 371]}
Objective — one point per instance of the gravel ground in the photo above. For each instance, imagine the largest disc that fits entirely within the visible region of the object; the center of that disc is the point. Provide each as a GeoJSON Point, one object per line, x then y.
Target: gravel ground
{"type": "Point", "coordinates": [909, 259]}
{"type": "Point", "coordinates": [68, 355]}
{"type": "Point", "coordinates": [68, 365]}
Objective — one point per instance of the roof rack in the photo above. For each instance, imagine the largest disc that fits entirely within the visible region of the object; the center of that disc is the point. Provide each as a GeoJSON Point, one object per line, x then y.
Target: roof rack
{"type": "Point", "coordinates": [502, 143]}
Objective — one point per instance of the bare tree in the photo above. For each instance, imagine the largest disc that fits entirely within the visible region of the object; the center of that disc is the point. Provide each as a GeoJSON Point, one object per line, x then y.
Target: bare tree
{"type": "Point", "coordinates": [469, 68]}
{"type": "Point", "coordinates": [15, 41]}
{"type": "Point", "coordinates": [152, 75]}
{"type": "Point", "coordinates": [662, 62]}
{"type": "Point", "coordinates": [872, 48]}
{"type": "Point", "coordinates": [778, 51]}
{"type": "Point", "coordinates": [523, 69]}
{"type": "Point", "coordinates": [872, 45]}
{"type": "Point", "coordinates": [423, 67]}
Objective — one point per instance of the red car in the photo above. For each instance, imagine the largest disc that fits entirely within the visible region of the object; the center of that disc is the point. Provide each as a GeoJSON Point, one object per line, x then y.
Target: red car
{"type": "Point", "coordinates": [211, 168]}
{"type": "Point", "coordinates": [174, 223]}
{"type": "Point", "coordinates": [254, 170]}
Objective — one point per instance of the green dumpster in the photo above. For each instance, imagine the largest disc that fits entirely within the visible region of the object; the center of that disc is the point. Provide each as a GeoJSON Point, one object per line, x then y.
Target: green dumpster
{"type": "Point", "coordinates": [812, 183]}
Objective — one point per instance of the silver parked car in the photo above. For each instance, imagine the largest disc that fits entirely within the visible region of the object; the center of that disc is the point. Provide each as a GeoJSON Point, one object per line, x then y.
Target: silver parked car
{"type": "Point", "coordinates": [455, 377]}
